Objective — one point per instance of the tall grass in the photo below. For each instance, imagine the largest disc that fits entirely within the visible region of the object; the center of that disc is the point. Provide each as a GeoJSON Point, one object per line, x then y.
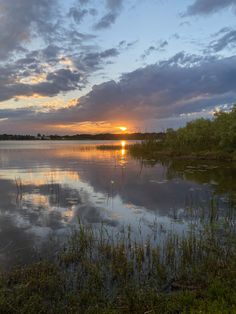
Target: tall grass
{"type": "Point", "coordinates": [102, 272]}
{"type": "Point", "coordinates": [157, 150]}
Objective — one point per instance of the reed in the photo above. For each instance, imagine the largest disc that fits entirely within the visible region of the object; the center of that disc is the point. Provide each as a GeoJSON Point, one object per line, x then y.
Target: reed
{"type": "Point", "coordinates": [99, 271]}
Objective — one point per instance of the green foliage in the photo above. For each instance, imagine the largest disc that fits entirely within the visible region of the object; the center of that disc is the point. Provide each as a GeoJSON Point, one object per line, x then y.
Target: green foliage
{"type": "Point", "coordinates": [209, 138]}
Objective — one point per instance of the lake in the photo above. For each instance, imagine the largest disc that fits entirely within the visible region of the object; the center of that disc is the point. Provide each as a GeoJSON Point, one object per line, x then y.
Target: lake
{"type": "Point", "coordinates": [46, 188]}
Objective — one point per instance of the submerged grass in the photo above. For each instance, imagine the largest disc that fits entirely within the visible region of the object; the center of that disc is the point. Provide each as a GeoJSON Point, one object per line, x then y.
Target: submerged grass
{"type": "Point", "coordinates": [100, 272]}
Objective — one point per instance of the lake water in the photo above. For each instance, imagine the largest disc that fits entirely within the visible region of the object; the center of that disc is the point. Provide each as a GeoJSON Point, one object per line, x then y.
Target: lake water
{"type": "Point", "coordinates": [47, 187]}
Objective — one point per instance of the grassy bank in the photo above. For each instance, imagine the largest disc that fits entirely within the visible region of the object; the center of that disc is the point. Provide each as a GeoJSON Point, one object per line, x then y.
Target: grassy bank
{"type": "Point", "coordinates": [97, 272]}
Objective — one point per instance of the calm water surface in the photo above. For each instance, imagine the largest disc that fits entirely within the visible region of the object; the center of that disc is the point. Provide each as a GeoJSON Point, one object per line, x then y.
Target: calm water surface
{"type": "Point", "coordinates": [46, 187]}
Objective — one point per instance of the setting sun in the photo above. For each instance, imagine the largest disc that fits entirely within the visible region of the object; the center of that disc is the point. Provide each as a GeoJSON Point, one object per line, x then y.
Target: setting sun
{"type": "Point", "coordinates": [123, 128]}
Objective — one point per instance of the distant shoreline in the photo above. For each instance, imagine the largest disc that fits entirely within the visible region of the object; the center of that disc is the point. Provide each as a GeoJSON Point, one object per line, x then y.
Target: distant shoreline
{"type": "Point", "coordinates": [67, 140]}
{"type": "Point", "coordinates": [82, 137]}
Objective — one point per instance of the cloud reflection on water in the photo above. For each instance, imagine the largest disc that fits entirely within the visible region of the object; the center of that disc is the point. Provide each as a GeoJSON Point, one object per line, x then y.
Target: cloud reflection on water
{"type": "Point", "coordinates": [62, 182]}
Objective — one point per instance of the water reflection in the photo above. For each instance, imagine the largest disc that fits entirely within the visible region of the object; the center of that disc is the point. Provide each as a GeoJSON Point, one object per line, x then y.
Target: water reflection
{"type": "Point", "coordinates": [46, 186]}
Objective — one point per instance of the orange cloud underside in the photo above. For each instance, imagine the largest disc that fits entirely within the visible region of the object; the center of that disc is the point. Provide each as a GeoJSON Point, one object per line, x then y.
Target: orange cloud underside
{"type": "Point", "coordinates": [91, 127]}
{"type": "Point", "coordinates": [33, 96]}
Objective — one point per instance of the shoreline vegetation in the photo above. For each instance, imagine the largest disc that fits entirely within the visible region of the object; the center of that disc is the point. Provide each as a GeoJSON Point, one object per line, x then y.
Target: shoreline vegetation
{"type": "Point", "coordinates": [100, 272]}
{"type": "Point", "coordinates": [82, 137]}
{"type": "Point", "coordinates": [200, 139]}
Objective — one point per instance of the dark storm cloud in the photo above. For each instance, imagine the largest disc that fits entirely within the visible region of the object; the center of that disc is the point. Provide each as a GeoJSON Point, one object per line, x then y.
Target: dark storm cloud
{"type": "Point", "coordinates": [204, 7]}
{"type": "Point", "coordinates": [227, 40]}
{"type": "Point", "coordinates": [21, 20]}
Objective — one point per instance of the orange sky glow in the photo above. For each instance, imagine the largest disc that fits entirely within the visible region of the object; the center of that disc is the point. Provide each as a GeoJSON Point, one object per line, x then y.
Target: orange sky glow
{"type": "Point", "coordinates": [93, 127]}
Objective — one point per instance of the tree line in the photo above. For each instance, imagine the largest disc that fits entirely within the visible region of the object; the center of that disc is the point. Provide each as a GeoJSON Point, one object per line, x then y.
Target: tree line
{"type": "Point", "coordinates": [94, 137]}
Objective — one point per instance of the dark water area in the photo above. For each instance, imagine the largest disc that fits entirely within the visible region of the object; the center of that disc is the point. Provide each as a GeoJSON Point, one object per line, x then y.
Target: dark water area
{"type": "Point", "coordinates": [47, 187]}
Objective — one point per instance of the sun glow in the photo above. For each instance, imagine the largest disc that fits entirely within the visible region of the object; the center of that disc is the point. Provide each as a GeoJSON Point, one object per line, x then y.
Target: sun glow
{"type": "Point", "coordinates": [123, 143]}
{"type": "Point", "coordinates": [123, 150]}
{"type": "Point", "coordinates": [123, 128]}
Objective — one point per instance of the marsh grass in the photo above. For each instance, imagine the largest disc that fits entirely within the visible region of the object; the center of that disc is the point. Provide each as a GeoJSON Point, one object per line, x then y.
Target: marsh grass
{"type": "Point", "coordinates": [154, 150]}
{"type": "Point", "coordinates": [112, 147]}
{"type": "Point", "coordinates": [98, 271]}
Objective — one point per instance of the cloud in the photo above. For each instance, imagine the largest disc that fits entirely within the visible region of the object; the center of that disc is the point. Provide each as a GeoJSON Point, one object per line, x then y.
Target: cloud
{"type": "Point", "coordinates": [227, 40]}
{"type": "Point", "coordinates": [50, 71]}
{"type": "Point", "coordinates": [64, 78]}
{"type": "Point", "coordinates": [159, 48]}
{"type": "Point", "coordinates": [22, 20]}
{"type": "Point", "coordinates": [78, 14]}
{"type": "Point", "coordinates": [180, 85]}
{"type": "Point", "coordinates": [106, 21]}
{"type": "Point", "coordinates": [16, 113]}
{"type": "Point", "coordinates": [205, 7]}
{"type": "Point", "coordinates": [53, 83]}
{"type": "Point", "coordinates": [114, 8]}
{"type": "Point", "coordinates": [114, 4]}
{"type": "Point", "coordinates": [41, 50]}
{"type": "Point", "coordinates": [44, 53]}
{"type": "Point", "coordinates": [83, 2]}
{"type": "Point", "coordinates": [89, 62]}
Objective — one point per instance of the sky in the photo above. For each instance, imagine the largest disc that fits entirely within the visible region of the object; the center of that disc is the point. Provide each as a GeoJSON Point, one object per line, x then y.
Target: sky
{"type": "Point", "coordinates": [92, 66]}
